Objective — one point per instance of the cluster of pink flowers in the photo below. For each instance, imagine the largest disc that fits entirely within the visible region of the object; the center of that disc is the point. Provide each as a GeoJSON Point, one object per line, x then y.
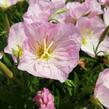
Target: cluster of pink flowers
{"type": "Point", "coordinates": [48, 41]}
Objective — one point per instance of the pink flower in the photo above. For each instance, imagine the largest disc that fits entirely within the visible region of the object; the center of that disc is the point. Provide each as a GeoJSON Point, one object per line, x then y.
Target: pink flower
{"type": "Point", "coordinates": [33, 1]}
{"type": "Point", "coordinates": [46, 1]}
{"type": "Point", "coordinates": [76, 11]}
{"type": "Point", "coordinates": [91, 30]}
{"type": "Point", "coordinates": [94, 7]}
{"type": "Point", "coordinates": [106, 16]}
{"type": "Point", "coordinates": [87, 8]}
{"type": "Point", "coordinates": [8, 3]}
{"type": "Point", "coordinates": [15, 41]}
{"type": "Point", "coordinates": [101, 91]}
{"type": "Point", "coordinates": [57, 11]}
{"type": "Point", "coordinates": [44, 99]}
{"type": "Point", "coordinates": [46, 10]}
{"type": "Point", "coordinates": [52, 50]}
{"type": "Point", "coordinates": [104, 2]}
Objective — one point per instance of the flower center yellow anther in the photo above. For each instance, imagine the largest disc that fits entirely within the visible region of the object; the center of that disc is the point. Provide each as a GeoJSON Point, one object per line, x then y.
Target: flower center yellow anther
{"type": "Point", "coordinates": [17, 52]}
{"type": "Point", "coordinates": [44, 52]}
{"type": "Point", "coordinates": [86, 34]}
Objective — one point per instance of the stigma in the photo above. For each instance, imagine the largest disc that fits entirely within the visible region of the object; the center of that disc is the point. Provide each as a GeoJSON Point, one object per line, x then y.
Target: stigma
{"type": "Point", "coordinates": [45, 51]}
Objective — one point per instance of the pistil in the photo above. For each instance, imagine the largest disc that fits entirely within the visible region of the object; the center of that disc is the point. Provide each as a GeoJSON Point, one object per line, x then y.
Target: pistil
{"type": "Point", "coordinates": [46, 51]}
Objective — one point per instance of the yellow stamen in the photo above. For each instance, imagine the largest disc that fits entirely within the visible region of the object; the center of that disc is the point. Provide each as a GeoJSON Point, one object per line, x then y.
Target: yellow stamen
{"type": "Point", "coordinates": [20, 52]}
{"type": "Point", "coordinates": [45, 52]}
{"type": "Point", "coordinates": [17, 52]}
{"type": "Point", "coordinates": [86, 34]}
{"type": "Point", "coordinates": [84, 41]}
{"type": "Point", "coordinates": [49, 46]}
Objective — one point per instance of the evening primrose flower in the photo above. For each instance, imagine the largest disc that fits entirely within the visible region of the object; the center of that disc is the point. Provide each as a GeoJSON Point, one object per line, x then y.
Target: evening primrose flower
{"type": "Point", "coordinates": [44, 99]}
{"type": "Point", "coordinates": [104, 2]}
{"type": "Point", "coordinates": [94, 7]}
{"type": "Point", "coordinates": [101, 91]}
{"type": "Point", "coordinates": [8, 3]}
{"type": "Point", "coordinates": [52, 50]}
{"type": "Point", "coordinates": [46, 1]}
{"type": "Point", "coordinates": [91, 30]}
{"type": "Point", "coordinates": [78, 10]}
{"type": "Point", "coordinates": [57, 11]}
{"type": "Point", "coordinates": [15, 40]}
{"type": "Point", "coordinates": [46, 11]}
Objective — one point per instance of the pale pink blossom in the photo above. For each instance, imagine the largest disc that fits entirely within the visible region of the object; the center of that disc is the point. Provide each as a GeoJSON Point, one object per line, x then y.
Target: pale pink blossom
{"type": "Point", "coordinates": [44, 99]}
{"type": "Point", "coordinates": [53, 11]}
{"type": "Point", "coordinates": [46, 1]}
{"type": "Point", "coordinates": [106, 16]}
{"type": "Point", "coordinates": [91, 30]}
{"type": "Point", "coordinates": [57, 11]}
{"type": "Point", "coordinates": [8, 3]}
{"type": "Point", "coordinates": [76, 11]}
{"type": "Point", "coordinates": [43, 10]}
{"type": "Point", "coordinates": [41, 3]}
{"type": "Point", "coordinates": [94, 7]}
{"type": "Point", "coordinates": [104, 2]}
{"type": "Point", "coordinates": [37, 13]}
{"type": "Point", "coordinates": [101, 91]}
{"type": "Point", "coordinates": [16, 39]}
{"type": "Point", "coordinates": [52, 51]}
{"type": "Point", "coordinates": [89, 8]}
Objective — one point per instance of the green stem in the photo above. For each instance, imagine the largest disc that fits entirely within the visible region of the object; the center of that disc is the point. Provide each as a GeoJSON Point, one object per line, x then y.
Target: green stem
{"type": "Point", "coordinates": [18, 82]}
{"type": "Point", "coordinates": [9, 73]}
{"type": "Point", "coordinates": [7, 24]}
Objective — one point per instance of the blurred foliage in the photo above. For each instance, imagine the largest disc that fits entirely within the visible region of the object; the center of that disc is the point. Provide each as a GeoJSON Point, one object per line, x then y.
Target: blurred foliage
{"type": "Point", "coordinates": [75, 93]}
